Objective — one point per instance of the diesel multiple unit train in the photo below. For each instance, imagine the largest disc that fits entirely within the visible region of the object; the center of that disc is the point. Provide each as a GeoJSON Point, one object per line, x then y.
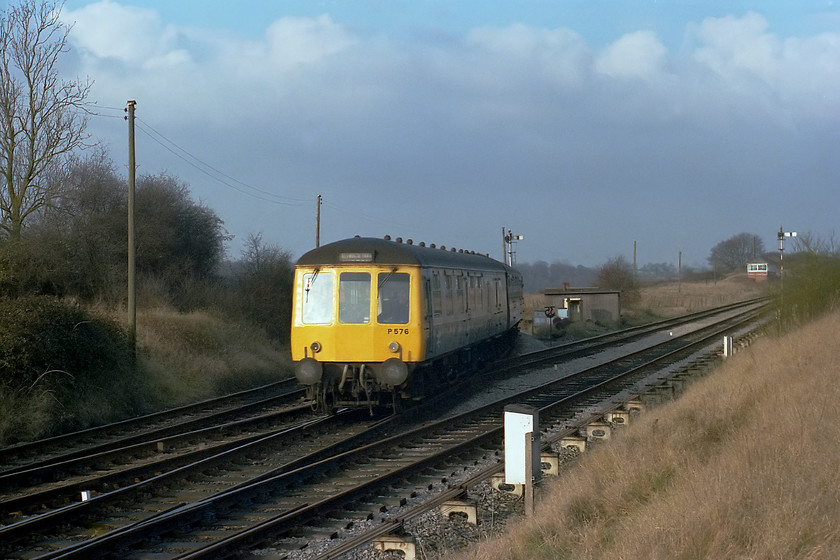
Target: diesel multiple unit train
{"type": "Point", "coordinates": [377, 322]}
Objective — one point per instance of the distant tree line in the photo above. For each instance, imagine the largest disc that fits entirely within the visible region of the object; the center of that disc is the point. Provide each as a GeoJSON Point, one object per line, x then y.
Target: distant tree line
{"type": "Point", "coordinates": [540, 275]}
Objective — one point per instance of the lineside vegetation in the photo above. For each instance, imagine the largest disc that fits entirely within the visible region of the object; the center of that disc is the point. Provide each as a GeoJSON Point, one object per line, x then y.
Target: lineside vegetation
{"type": "Point", "coordinates": [742, 465]}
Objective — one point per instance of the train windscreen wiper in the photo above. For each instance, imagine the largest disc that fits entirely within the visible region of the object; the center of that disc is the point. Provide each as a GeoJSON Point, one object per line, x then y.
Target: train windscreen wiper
{"type": "Point", "coordinates": [309, 284]}
{"type": "Point", "coordinates": [384, 280]}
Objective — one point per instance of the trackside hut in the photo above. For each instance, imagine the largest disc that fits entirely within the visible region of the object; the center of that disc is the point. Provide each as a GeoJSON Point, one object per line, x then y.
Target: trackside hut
{"type": "Point", "coordinates": [760, 271]}
{"type": "Point", "coordinates": [585, 304]}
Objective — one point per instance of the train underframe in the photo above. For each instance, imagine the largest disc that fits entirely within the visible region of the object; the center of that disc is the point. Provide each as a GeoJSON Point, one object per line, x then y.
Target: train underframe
{"type": "Point", "coordinates": [359, 385]}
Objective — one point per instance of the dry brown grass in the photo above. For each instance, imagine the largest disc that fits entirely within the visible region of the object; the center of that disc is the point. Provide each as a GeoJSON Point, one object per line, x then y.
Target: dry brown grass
{"type": "Point", "coordinates": [743, 465]}
{"type": "Point", "coordinates": [664, 300]}
{"type": "Point", "coordinates": [182, 358]}
{"type": "Point", "coordinates": [673, 298]}
{"type": "Point", "coordinates": [192, 356]}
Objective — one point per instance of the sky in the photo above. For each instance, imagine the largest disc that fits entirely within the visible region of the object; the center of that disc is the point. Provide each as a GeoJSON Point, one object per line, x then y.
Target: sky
{"type": "Point", "coordinates": [588, 127]}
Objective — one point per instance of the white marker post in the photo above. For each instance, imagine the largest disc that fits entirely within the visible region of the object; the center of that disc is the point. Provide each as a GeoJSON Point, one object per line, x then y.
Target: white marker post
{"type": "Point", "coordinates": [522, 450]}
{"type": "Point", "coordinates": [727, 346]}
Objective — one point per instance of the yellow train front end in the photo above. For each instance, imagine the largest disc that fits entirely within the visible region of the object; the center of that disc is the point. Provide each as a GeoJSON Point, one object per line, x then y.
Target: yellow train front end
{"type": "Point", "coordinates": [357, 330]}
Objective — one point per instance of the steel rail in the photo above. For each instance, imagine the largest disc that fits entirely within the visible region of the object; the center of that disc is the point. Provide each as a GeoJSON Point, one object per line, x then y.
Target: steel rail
{"type": "Point", "coordinates": [546, 441]}
{"type": "Point", "coordinates": [81, 510]}
{"type": "Point", "coordinates": [193, 513]}
{"type": "Point", "coordinates": [138, 435]}
{"type": "Point", "coordinates": [117, 462]}
{"type": "Point", "coordinates": [139, 426]}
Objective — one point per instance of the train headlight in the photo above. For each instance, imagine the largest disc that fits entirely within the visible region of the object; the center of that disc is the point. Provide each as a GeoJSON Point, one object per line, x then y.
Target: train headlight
{"type": "Point", "coordinates": [315, 347]}
{"type": "Point", "coordinates": [394, 347]}
{"type": "Point", "coordinates": [309, 371]}
{"type": "Point", "coordinates": [394, 371]}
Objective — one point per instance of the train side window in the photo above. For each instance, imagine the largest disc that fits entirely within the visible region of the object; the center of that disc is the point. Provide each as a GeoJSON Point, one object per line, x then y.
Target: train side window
{"type": "Point", "coordinates": [317, 298]}
{"type": "Point", "coordinates": [462, 300]}
{"type": "Point", "coordinates": [392, 298]}
{"type": "Point", "coordinates": [437, 303]}
{"type": "Point", "coordinates": [449, 294]}
{"type": "Point", "coordinates": [354, 297]}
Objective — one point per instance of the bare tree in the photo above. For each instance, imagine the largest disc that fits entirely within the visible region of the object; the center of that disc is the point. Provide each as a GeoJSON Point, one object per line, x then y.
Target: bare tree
{"type": "Point", "coordinates": [617, 274]}
{"type": "Point", "coordinates": [266, 286]}
{"type": "Point", "coordinates": [42, 117]}
{"type": "Point", "coordinates": [735, 252]}
{"type": "Point", "coordinates": [810, 243]}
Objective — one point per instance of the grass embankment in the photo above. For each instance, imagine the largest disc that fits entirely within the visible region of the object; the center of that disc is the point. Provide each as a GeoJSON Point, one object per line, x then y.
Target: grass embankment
{"type": "Point", "coordinates": [679, 298]}
{"type": "Point", "coordinates": [63, 368]}
{"type": "Point", "coordinates": [193, 356]}
{"type": "Point", "coordinates": [742, 465]}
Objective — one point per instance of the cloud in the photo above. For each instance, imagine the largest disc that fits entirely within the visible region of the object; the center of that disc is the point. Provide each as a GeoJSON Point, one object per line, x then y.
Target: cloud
{"type": "Point", "coordinates": [559, 55]}
{"type": "Point", "coordinates": [500, 126]}
{"type": "Point", "coordinates": [738, 48]}
{"type": "Point", "coordinates": [638, 54]}
{"type": "Point", "coordinates": [187, 73]}
{"type": "Point", "coordinates": [304, 41]}
{"type": "Point", "coordinates": [796, 76]}
{"type": "Point", "coordinates": [132, 36]}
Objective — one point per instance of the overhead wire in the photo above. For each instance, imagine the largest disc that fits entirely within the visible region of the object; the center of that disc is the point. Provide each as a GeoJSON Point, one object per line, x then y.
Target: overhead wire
{"type": "Point", "coordinates": [236, 184]}
{"type": "Point", "coordinates": [214, 173]}
{"type": "Point", "coordinates": [196, 162]}
{"type": "Point", "coordinates": [399, 227]}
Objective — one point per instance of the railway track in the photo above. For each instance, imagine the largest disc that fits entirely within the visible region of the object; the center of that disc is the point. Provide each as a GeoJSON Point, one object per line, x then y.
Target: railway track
{"type": "Point", "coordinates": [324, 492]}
{"type": "Point", "coordinates": [60, 448]}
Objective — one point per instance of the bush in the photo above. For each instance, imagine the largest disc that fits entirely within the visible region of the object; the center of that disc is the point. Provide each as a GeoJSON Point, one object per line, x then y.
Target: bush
{"type": "Point", "coordinates": [810, 288]}
{"type": "Point", "coordinates": [617, 274]}
{"type": "Point", "coordinates": [61, 368]}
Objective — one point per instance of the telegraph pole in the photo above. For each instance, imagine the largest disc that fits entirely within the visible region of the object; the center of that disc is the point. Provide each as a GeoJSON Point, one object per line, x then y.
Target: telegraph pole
{"type": "Point", "coordinates": [679, 273]}
{"type": "Point", "coordinates": [319, 201]}
{"type": "Point", "coordinates": [635, 268]}
{"type": "Point", "coordinates": [132, 303]}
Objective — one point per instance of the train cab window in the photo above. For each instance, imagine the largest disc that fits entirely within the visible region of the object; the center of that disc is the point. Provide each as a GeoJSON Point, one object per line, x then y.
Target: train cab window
{"type": "Point", "coordinates": [317, 300]}
{"type": "Point", "coordinates": [354, 297]}
{"type": "Point", "coordinates": [392, 298]}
